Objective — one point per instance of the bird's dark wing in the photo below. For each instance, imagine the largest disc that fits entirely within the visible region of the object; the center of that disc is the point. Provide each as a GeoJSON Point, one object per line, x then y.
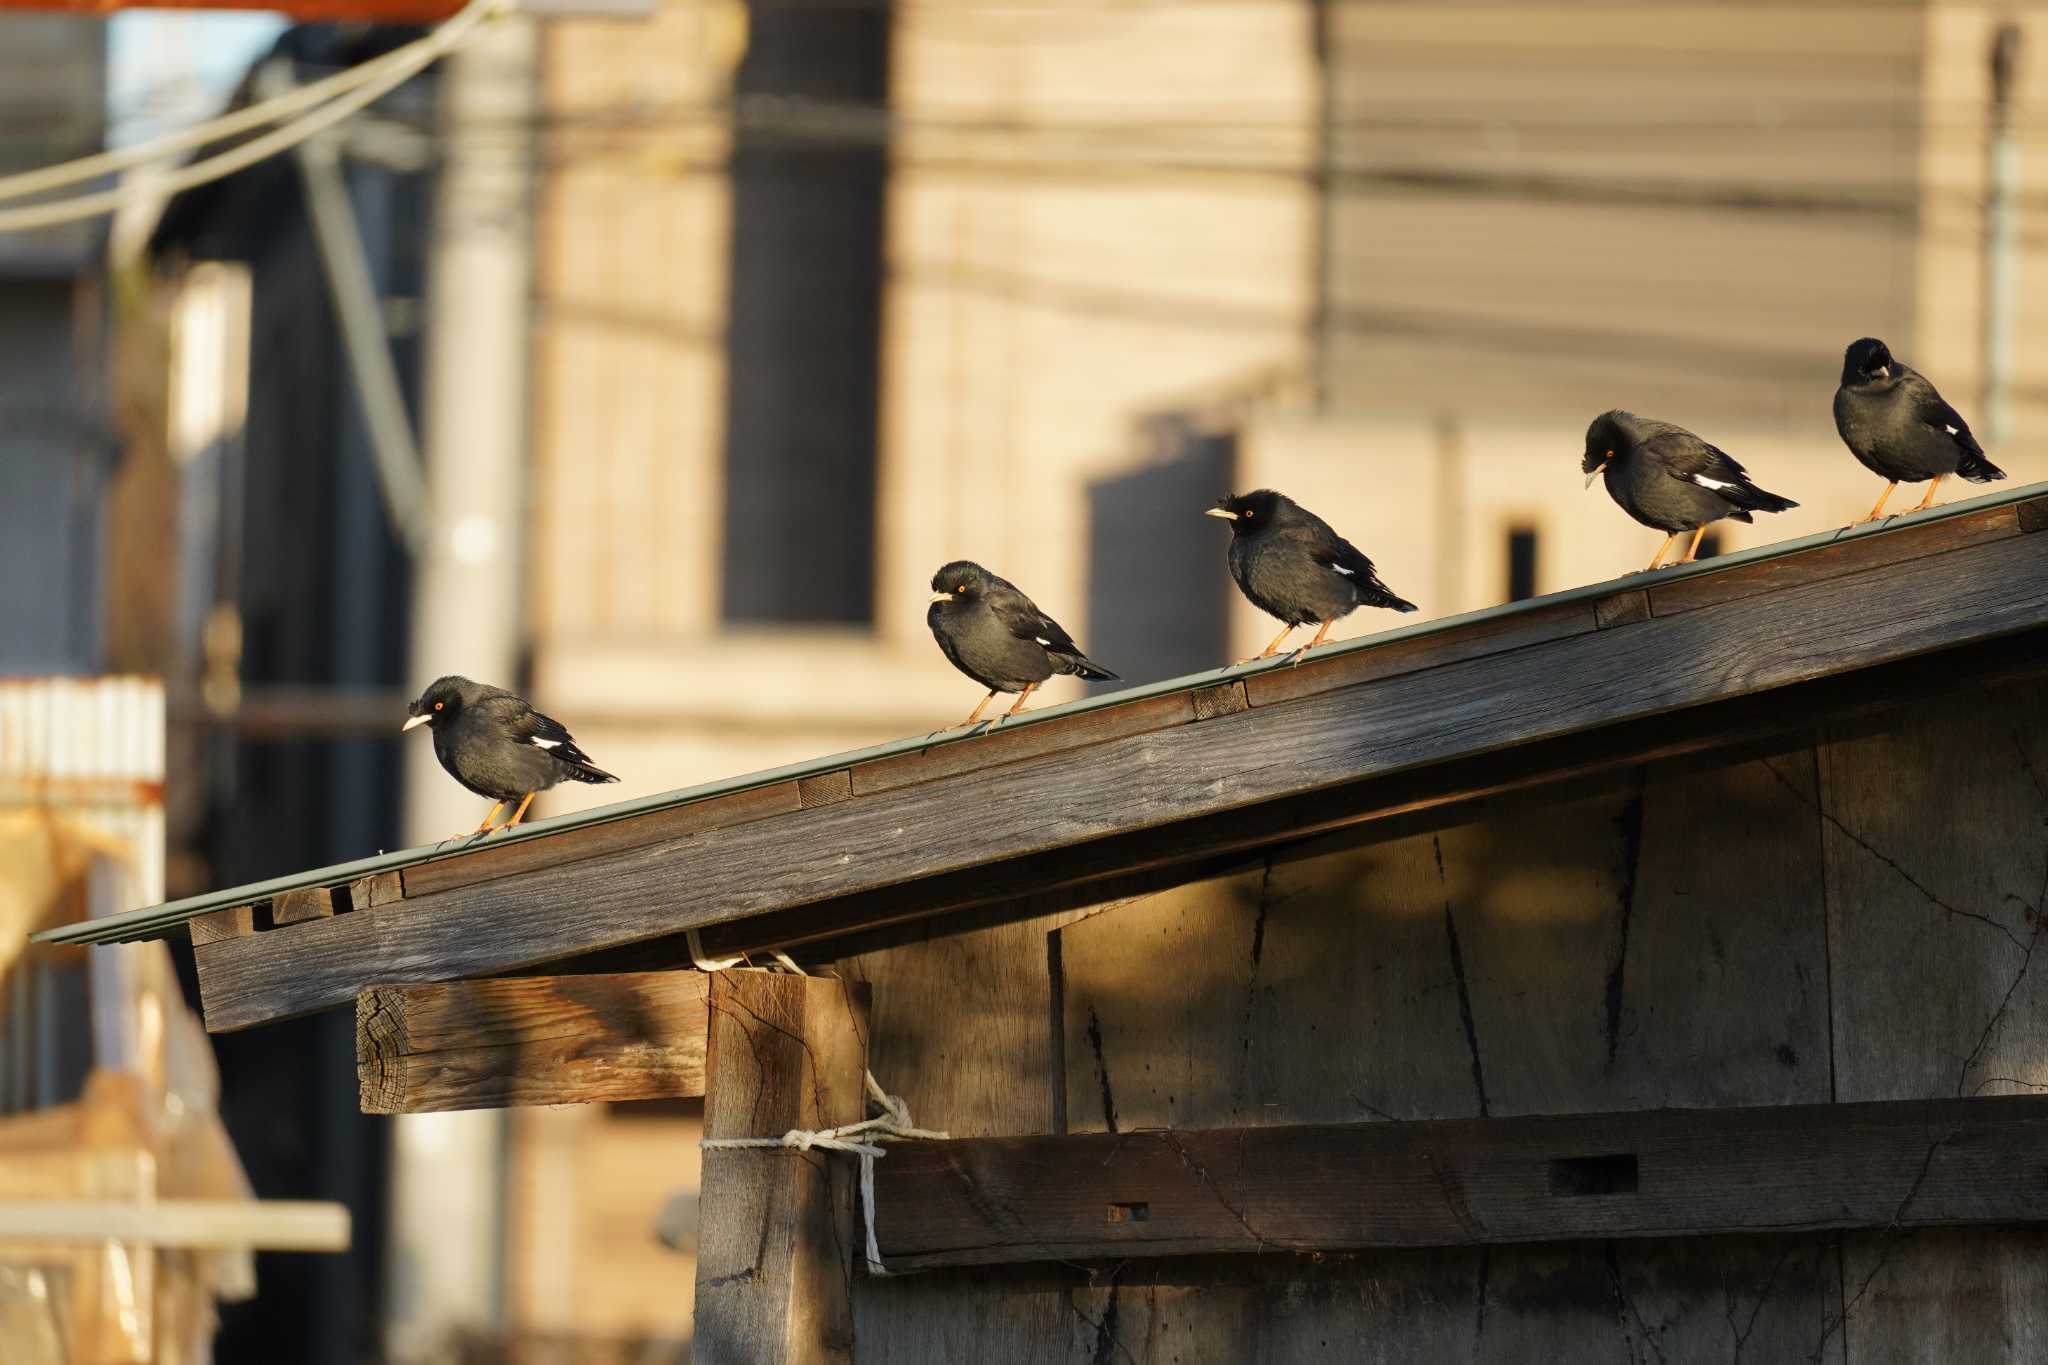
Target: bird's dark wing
{"type": "Point", "coordinates": [1345, 558]}
{"type": "Point", "coordinates": [1022, 618]}
{"type": "Point", "coordinates": [1685, 456]}
{"type": "Point", "coordinates": [543, 732]}
{"type": "Point", "coordinates": [1930, 408]}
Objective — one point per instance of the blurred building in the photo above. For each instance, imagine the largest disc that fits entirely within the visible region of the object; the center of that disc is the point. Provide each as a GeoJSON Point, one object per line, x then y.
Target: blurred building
{"type": "Point", "coordinates": [828, 295]}
{"type": "Point", "coordinates": [828, 292]}
{"type": "Point", "coordinates": [56, 446]}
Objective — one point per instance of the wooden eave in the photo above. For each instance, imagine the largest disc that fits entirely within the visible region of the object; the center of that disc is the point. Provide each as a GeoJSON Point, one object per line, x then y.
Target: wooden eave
{"type": "Point", "coordinates": [1725, 652]}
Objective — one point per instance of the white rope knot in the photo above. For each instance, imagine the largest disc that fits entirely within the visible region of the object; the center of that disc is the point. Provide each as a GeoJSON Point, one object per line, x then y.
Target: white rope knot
{"type": "Point", "coordinates": [893, 1125]}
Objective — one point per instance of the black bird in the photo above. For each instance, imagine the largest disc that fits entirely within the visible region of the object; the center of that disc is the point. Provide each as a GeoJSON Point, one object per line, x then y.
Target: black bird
{"type": "Point", "coordinates": [998, 636]}
{"type": "Point", "coordinates": [1291, 565]}
{"type": "Point", "coordinates": [1666, 477]}
{"type": "Point", "coordinates": [495, 744]}
{"type": "Point", "coordinates": [1893, 421]}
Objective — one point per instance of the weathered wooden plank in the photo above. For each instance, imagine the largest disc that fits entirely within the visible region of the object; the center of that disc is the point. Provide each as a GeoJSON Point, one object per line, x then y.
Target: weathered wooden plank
{"type": "Point", "coordinates": [1418, 652]}
{"type": "Point", "coordinates": [1848, 557]}
{"type": "Point", "coordinates": [489, 861]}
{"type": "Point", "coordinates": [777, 1243]}
{"type": "Point", "coordinates": [1477, 967]}
{"type": "Point", "coordinates": [1937, 865]}
{"type": "Point", "coordinates": [380, 888]}
{"type": "Point", "coordinates": [1462, 1182]}
{"type": "Point", "coordinates": [296, 907]}
{"type": "Point", "coordinates": [1225, 699]}
{"type": "Point", "coordinates": [1622, 609]}
{"type": "Point", "coordinates": [962, 1031]}
{"type": "Point", "coordinates": [2033, 514]}
{"type": "Point", "coordinates": [824, 788]}
{"type": "Point", "coordinates": [1457, 711]}
{"type": "Point", "coordinates": [237, 921]}
{"type": "Point", "coordinates": [999, 745]}
{"type": "Point", "coordinates": [530, 1040]}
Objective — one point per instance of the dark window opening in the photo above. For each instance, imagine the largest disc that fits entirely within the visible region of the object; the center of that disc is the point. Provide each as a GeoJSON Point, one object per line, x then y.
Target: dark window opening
{"type": "Point", "coordinates": [803, 345]}
{"type": "Point", "coordinates": [1710, 545]}
{"type": "Point", "coordinates": [1521, 563]}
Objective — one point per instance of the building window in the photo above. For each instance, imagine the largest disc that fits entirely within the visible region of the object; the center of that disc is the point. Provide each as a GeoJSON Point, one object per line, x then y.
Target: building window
{"type": "Point", "coordinates": [1521, 563]}
{"type": "Point", "coordinates": [804, 316]}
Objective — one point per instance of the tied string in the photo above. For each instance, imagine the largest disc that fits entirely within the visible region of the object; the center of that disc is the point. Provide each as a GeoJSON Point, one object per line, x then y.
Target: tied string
{"type": "Point", "coordinates": [862, 1140]}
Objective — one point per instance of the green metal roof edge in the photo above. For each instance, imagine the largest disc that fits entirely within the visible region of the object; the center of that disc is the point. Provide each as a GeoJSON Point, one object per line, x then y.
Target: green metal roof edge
{"type": "Point", "coordinates": [159, 920]}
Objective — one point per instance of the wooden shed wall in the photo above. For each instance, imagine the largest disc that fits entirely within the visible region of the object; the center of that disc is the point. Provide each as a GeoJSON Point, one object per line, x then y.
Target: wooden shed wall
{"type": "Point", "coordinates": [1848, 917]}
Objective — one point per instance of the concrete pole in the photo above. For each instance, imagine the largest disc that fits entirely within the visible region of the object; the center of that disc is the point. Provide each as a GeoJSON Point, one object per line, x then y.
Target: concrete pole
{"type": "Point", "coordinates": [447, 1206]}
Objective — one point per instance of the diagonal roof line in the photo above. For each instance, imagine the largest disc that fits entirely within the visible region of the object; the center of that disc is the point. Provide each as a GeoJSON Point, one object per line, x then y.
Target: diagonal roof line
{"type": "Point", "coordinates": [157, 921]}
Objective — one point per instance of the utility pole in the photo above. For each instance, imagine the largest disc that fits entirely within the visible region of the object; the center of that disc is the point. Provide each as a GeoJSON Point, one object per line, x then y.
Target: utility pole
{"type": "Point", "coordinates": [2001, 258]}
{"type": "Point", "coordinates": [447, 1209]}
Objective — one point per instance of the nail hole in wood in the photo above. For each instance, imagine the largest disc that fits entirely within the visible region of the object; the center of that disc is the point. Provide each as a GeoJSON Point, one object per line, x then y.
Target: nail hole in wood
{"type": "Point", "coordinates": [1577, 1176]}
{"type": "Point", "coordinates": [1130, 1213]}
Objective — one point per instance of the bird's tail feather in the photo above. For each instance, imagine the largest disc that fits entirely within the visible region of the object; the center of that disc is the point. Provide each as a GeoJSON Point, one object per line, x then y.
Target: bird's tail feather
{"type": "Point", "coordinates": [1080, 665]}
{"type": "Point", "coordinates": [1974, 467]}
{"type": "Point", "coordinates": [591, 773]}
{"type": "Point", "coordinates": [1391, 602]}
{"type": "Point", "coordinates": [1750, 498]}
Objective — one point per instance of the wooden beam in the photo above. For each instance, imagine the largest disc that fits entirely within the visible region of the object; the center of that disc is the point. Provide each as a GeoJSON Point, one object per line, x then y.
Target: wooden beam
{"type": "Point", "coordinates": [1464, 711]}
{"type": "Point", "coordinates": [1467, 1182]}
{"type": "Point", "coordinates": [776, 1240]}
{"type": "Point", "coordinates": [530, 1040]}
{"type": "Point", "coordinates": [258, 1225]}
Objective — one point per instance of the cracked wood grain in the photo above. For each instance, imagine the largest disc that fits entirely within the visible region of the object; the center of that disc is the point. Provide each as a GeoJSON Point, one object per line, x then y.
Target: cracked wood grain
{"type": "Point", "coordinates": [1463, 1182]}
{"type": "Point", "coordinates": [777, 1243]}
{"type": "Point", "coordinates": [530, 1040]}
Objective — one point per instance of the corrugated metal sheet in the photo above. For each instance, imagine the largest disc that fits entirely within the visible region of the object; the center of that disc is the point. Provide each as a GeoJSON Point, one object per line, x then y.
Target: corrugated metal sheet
{"type": "Point", "coordinates": [87, 756]}
{"type": "Point", "coordinates": [158, 921]}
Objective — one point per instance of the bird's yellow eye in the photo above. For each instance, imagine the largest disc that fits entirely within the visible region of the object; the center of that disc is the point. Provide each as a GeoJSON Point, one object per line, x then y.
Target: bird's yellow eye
{"type": "Point", "coordinates": [437, 706]}
{"type": "Point", "coordinates": [961, 588]}
{"type": "Point", "coordinates": [1609, 455]}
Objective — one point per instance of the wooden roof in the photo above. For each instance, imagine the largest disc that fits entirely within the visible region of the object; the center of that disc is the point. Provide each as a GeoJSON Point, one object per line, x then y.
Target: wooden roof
{"type": "Point", "coordinates": [1177, 772]}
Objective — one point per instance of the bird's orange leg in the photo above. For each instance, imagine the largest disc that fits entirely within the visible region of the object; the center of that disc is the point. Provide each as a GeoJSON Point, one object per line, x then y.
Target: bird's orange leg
{"type": "Point", "coordinates": [1928, 501]}
{"type": "Point", "coordinates": [520, 814]}
{"type": "Point", "coordinates": [1693, 549]}
{"type": "Point", "coordinates": [490, 815]}
{"type": "Point", "coordinates": [1321, 635]}
{"type": "Point", "coordinates": [1270, 650]}
{"type": "Point", "coordinates": [976, 715]}
{"type": "Point", "coordinates": [1658, 558]}
{"type": "Point", "coordinates": [1033, 687]}
{"type": "Point", "coordinates": [1880, 502]}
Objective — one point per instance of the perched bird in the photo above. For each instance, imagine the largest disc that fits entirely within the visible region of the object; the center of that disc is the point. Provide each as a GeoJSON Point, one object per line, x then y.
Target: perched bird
{"type": "Point", "coordinates": [1666, 477]}
{"type": "Point", "coordinates": [1289, 562]}
{"type": "Point", "coordinates": [1893, 421]}
{"type": "Point", "coordinates": [998, 636]}
{"type": "Point", "coordinates": [496, 745]}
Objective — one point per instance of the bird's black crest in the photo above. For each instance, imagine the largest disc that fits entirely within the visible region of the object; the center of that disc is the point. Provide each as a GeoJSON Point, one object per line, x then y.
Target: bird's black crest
{"type": "Point", "coordinates": [1865, 358]}
{"type": "Point", "coordinates": [1607, 437]}
{"type": "Point", "coordinates": [961, 573]}
{"type": "Point", "coordinates": [1253, 509]}
{"type": "Point", "coordinates": [444, 697]}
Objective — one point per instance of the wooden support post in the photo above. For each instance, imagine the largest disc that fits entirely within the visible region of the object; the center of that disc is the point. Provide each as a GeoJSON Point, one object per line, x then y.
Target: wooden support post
{"type": "Point", "coordinates": [530, 1040]}
{"type": "Point", "coordinates": [777, 1242]}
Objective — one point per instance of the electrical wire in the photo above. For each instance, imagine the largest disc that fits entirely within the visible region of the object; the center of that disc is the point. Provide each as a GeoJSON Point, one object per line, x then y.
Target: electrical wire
{"type": "Point", "coordinates": [358, 90]}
